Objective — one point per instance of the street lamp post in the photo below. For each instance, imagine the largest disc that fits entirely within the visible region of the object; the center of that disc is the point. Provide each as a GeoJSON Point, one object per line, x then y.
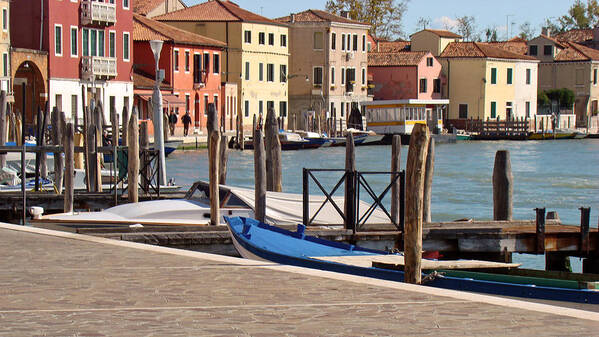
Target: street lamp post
{"type": "Point", "coordinates": [156, 46]}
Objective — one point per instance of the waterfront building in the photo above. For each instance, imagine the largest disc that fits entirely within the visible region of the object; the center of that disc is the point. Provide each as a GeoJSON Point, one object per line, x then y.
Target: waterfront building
{"type": "Point", "coordinates": [329, 63]}
{"type": "Point", "coordinates": [488, 82]}
{"type": "Point", "coordinates": [5, 69]}
{"type": "Point", "coordinates": [152, 8]}
{"type": "Point", "coordinates": [256, 58]}
{"type": "Point", "coordinates": [84, 45]}
{"type": "Point", "coordinates": [433, 40]}
{"type": "Point", "coordinates": [192, 65]}
{"type": "Point", "coordinates": [569, 65]}
{"type": "Point", "coordinates": [405, 75]}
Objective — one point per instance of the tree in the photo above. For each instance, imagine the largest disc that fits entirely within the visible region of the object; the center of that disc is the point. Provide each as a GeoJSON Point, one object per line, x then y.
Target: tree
{"type": "Point", "coordinates": [526, 31]}
{"type": "Point", "coordinates": [467, 28]}
{"type": "Point", "coordinates": [384, 16]}
{"type": "Point", "coordinates": [423, 22]}
{"type": "Point", "coordinates": [491, 34]}
{"type": "Point", "coordinates": [580, 16]}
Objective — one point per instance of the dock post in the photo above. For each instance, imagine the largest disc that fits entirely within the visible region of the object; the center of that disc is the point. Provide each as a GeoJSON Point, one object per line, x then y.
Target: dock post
{"type": "Point", "coordinates": [428, 182]}
{"type": "Point", "coordinates": [585, 218]}
{"type": "Point", "coordinates": [144, 146]}
{"type": "Point", "coordinates": [213, 164]}
{"type": "Point", "coordinates": [125, 120]}
{"type": "Point", "coordinates": [395, 167]}
{"type": "Point", "coordinates": [92, 157]}
{"type": "Point", "coordinates": [3, 127]}
{"type": "Point", "coordinates": [540, 222]}
{"type": "Point", "coordinates": [99, 115]}
{"type": "Point", "coordinates": [502, 186]}
{"type": "Point", "coordinates": [350, 184]}
{"type": "Point", "coordinates": [224, 156]}
{"type": "Point", "coordinates": [214, 158]}
{"type": "Point", "coordinates": [57, 136]}
{"type": "Point", "coordinates": [84, 136]}
{"type": "Point", "coordinates": [114, 122]}
{"type": "Point", "coordinates": [273, 153]}
{"type": "Point", "coordinates": [259, 174]}
{"type": "Point", "coordinates": [69, 150]}
{"type": "Point", "coordinates": [415, 174]}
{"type": "Point", "coordinates": [240, 139]}
{"type": "Point", "coordinates": [133, 159]}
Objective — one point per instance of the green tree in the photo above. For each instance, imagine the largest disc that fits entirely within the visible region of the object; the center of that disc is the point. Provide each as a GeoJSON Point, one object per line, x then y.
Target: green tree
{"type": "Point", "coordinates": [580, 15]}
{"type": "Point", "coordinates": [423, 22]}
{"type": "Point", "coordinates": [491, 34]}
{"type": "Point", "coordinates": [384, 16]}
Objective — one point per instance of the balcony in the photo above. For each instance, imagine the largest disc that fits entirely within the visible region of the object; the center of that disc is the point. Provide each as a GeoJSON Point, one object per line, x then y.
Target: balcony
{"type": "Point", "coordinates": [97, 13]}
{"type": "Point", "coordinates": [93, 67]}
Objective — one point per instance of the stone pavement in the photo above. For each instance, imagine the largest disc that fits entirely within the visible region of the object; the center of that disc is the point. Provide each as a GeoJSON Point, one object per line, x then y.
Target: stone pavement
{"type": "Point", "coordinates": [64, 284]}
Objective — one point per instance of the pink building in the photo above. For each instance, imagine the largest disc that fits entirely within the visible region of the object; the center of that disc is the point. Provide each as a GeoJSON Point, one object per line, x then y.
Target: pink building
{"type": "Point", "coordinates": [405, 75]}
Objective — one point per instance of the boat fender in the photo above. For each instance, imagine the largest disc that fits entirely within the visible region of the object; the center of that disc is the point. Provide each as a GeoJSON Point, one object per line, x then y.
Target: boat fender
{"type": "Point", "coordinates": [301, 231]}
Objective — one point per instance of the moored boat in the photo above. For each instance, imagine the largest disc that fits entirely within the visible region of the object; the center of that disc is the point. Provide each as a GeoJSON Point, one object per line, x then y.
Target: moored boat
{"type": "Point", "coordinates": [257, 240]}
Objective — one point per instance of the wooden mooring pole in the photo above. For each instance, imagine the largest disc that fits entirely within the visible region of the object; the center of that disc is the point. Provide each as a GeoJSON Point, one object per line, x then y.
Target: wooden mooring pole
{"type": "Point", "coordinates": [395, 167]}
{"type": "Point", "coordinates": [69, 151]}
{"type": "Point", "coordinates": [213, 164]}
{"type": "Point", "coordinates": [133, 159]}
{"type": "Point", "coordinates": [273, 153]}
{"type": "Point", "coordinates": [350, 186]}
{"type": "Point", "coordinates": [57, 137]}
{"type": "Point", "coordinates": [502, 186]}
{"type": "Point", "coordinates": [144, 145]}
{"type": "Point", "coordinates": [259, 174]}
{"type": "Point", "coordinates": [415, 176]}
{"type": "Point", "coordinates": [3, 127]}
{"type": "Point", "coordinates": [428, 182]}
{"type": "Point", "coordinates": [224, 156]}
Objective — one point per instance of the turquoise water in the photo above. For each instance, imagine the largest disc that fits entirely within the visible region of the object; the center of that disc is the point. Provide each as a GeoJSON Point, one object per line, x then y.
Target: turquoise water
{"type": "Point", "coordinates": [560, 175]}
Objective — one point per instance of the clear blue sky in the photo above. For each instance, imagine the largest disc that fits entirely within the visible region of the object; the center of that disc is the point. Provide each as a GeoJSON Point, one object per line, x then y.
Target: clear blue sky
{"type": "Point", "coordinates": [487, 13]}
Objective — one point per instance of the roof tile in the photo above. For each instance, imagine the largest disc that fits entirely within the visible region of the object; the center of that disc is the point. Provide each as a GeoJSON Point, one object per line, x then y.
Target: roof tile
{"type": "Point", "coordinates": [393, 46]}
{"type": "Point", "coordinates": [442, 33]}
{"type": "Point", "coordinates": [575, 35]}
{"type": "Point", "coordinates": [480, 50]}
{"type": "Point", "coordinates": [215, 10]}
{"type": "Point", "coordinates": [405, 58]}
{"type": "Point", "coordinates": [577, 52]}
{"type": "Point", "coordinates": [145, 29]}
{"type": "Point", "coordinates": [316, 15]}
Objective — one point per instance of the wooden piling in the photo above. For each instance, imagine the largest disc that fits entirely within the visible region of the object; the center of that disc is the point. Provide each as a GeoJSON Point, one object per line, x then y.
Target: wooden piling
{"type": "Point", "coordinates": [540, 230]}
{"type": "Point", "coordinates": [350, 187]}
{"type": "Point", "coordinates": [395, 187]}
{"type": "Point", "coordinates": [415, 175]}
{"type": "Point", "coordinates": [44, 155]}
{"type": "Point", "coordinates": [585, 221]}
{"type": "Point", "coordinates": [69, 150]}
{"type": "Point", "coordinates": [502, 186]}
{"type": "Point", "coordinates": [214, 158]}
{"type": "Point", "coordinates": [224, 155]}
{"type": "Point", "coordinates": [259, 174]}
{"type": "Point", "coordinates": [99, 119]}
{"type": "Point", "coordinates": [133, 159]}
{"type": "Point", "coordinates": [273, 153]}
{"type": "Point", "coordinates": [213, 164]}
{"type": "Point", "coordinates": [57, 137]}
{"type": "Point", "coordinates": [125, 120]}
{"type": "Point", "coordinates": [92, 156]}
{"type": "Point", "coordinates": [144, 145]}
{"type": "Point", "coordinates": [3, 127]}
{"type": "Point", "coordinates": [114, 123]}
{"type": "Point", "coordinates": [85, 136]}
{"type": "Point", "coordinates": [428, 182]}
{"type": "Point", "coordinates": [240, 140]}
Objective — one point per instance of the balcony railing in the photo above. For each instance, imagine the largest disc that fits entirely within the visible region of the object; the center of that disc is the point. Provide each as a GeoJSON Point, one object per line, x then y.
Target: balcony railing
{"type": "Point", "coordinates": [98, 67]}
{"type": "Point", "coordinates": [95, 12]}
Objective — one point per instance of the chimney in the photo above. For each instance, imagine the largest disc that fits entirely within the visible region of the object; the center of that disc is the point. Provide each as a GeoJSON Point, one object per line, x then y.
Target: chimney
{"type": "Point", "coordinates": [344, 14]}
{"type": "Point", "coordinates": [546, 31]}
{"type": "Point", "coordinates": [292, 16]}
{"type": "Point", "coordinates": [596, 34]}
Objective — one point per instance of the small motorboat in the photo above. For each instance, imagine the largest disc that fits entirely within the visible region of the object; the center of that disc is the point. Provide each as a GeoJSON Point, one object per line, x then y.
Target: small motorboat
{"type": "Point", "coordinates": [257, 240]}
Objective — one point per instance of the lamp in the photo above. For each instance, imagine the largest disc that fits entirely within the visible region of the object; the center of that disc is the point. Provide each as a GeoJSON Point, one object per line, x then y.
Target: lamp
{"type": "Point", "coordinates": [156, 46]}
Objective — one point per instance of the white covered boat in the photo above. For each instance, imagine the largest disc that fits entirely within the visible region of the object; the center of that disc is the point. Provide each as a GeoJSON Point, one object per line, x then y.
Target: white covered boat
{"type": "Point", "coordinates": [194, 209]}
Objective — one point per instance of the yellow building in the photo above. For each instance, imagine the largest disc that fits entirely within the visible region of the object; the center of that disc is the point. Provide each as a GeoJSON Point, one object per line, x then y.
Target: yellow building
{"type": "Point", "coordinates": [5, 46]}
{"type": "Point", "coordinates": [257, 56]}
{"type": "Point", "coordinates": [433, 40]}
{"type": "Point", "coordinates": [488, 82]}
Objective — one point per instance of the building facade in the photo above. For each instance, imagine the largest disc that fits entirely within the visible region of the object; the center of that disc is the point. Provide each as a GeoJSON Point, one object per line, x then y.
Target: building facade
{"type": "Point", "coordinates": [488, 82]}
{"type": "Point", "coordinates": [433, 40]}
{"type": "Point", "coordinates": [328, 63]}
{"type": "Point", "coordinates": [89, 50]}
{"type": "Point", "coordinates": [257, 57]}
{"type": "Point", "coordinates": [192, 66]}
{"type": "Point", "coordinates": [405, 75]}
{"type": "Point", "coordinates": [5, 69]}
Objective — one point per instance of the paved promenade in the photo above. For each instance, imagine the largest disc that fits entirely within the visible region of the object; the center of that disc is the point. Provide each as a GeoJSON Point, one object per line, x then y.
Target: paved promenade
{"type": "Point", "coordinates": [63, 284]}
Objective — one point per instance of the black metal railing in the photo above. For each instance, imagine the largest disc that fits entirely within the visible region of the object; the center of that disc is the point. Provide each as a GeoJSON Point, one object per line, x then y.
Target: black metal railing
{"type": "Point", "coordinates": [359, 184]}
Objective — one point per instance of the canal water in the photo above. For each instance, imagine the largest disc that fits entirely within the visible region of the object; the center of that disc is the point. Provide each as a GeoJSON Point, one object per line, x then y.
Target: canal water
{"type": "Point", "coordinates": [560, 175]}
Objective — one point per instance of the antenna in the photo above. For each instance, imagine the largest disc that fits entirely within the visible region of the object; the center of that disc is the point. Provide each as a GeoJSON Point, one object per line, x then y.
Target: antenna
{"type": "Point", "coordinates": [507, 26]}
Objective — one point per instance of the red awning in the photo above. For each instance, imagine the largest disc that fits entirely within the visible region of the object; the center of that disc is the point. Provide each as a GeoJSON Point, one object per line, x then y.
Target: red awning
{"type": "Point", "coordinates": [167, 99]}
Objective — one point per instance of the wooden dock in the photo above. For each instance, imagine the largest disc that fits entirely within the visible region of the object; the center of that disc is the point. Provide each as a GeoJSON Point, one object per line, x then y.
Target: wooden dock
{"type": "Point", "coordinates": [56, 283]}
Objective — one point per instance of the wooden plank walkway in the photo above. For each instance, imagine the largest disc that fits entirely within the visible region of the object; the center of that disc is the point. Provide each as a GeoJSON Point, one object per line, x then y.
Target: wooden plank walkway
{"type": "Point", "coordinates": [58, 283]}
